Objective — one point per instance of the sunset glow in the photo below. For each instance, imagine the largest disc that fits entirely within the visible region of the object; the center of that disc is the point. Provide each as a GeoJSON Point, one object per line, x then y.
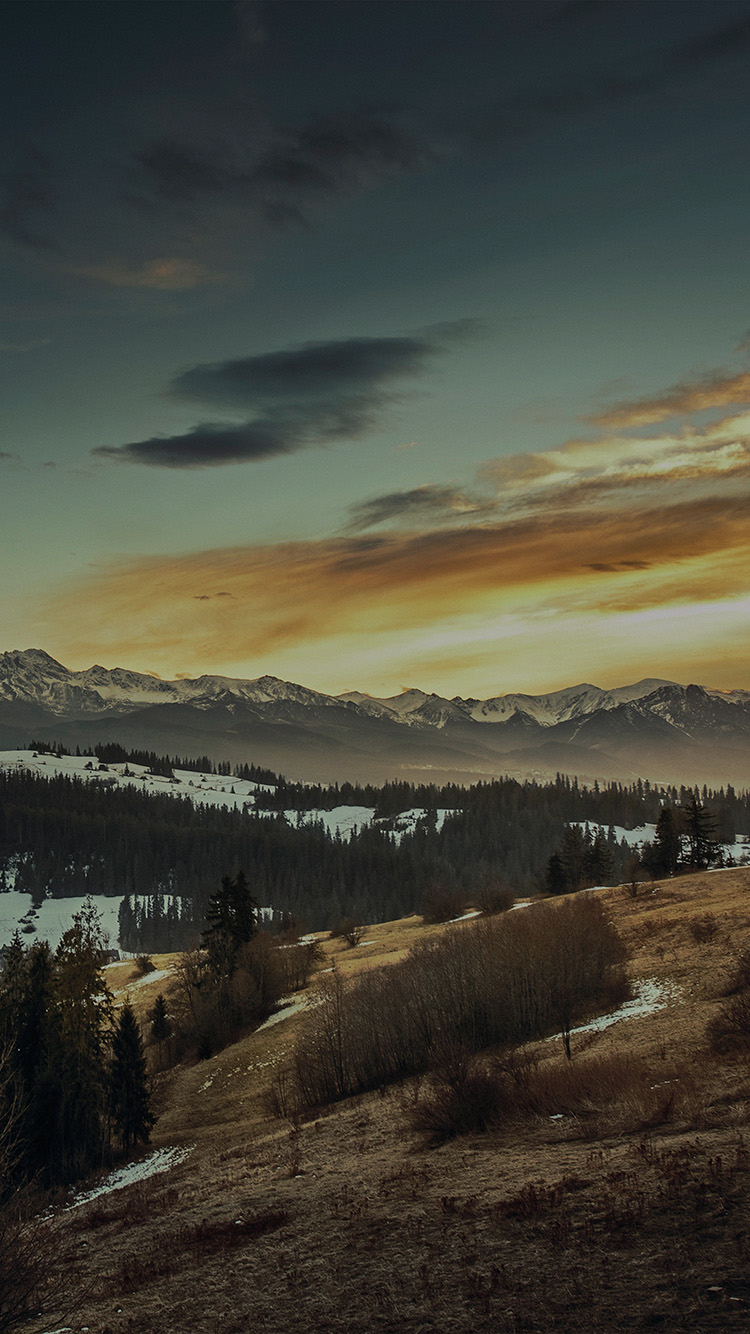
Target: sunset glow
{"type": "Point", "coordinates": [455, 395]}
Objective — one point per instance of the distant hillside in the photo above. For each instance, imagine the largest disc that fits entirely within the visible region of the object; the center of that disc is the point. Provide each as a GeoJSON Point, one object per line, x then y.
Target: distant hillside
{"type": "Point", "coordinates": [161, 838]}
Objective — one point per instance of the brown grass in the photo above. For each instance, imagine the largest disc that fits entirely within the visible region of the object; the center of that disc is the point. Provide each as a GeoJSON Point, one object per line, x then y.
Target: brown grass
{"type": "Point", "coordinates": [630, 1210]}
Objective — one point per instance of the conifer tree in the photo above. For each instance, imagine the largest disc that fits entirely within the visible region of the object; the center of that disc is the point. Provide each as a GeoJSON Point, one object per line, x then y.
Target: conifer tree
{"type": "Point", "coordinates": [161, 1024]}
{"type": "Point", "coordinates": [130, 1102]}
{"type": "Point", "coordinates": [231, 921]}
{"type": "Point", "coordinates": [699, 829]}
{"type": "Point", "coordinates": [82, 1024]}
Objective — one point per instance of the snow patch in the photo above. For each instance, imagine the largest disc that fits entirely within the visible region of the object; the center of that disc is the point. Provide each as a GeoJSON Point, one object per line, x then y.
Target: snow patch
{"type": "Point", "coordinates": [161, 1160]}
{"type": "Point", "coordinates": [650, 996]}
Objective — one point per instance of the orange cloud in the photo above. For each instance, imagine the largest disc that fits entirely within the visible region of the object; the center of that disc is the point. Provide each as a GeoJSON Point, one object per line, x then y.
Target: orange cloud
{"type": "Point", "coordinates": [290, 596]}
{"type": "Point", "coordinates": [167, 274]}
{"type": "Point", "coordinates": [714, 390]}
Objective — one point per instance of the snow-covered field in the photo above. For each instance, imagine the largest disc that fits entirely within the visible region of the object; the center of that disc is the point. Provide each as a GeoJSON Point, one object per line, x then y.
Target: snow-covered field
{"type": "Point", "coordinates": [344, 820]}
{"type": "Point", "coordinates": [53, 918]}
{"type": "Point", "coordinates": [739, 850]}
{"type": "Point", "coordinates": [203, 789]}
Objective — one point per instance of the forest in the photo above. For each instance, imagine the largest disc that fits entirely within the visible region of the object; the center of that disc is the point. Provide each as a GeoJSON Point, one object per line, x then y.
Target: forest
{"type": "Point", "coordinates": [164, 856]}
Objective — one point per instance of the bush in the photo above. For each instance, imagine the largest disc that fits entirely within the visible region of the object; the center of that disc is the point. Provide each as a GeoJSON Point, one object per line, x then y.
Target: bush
{"type": "Point", "coordinates": [219, 1008]}
{"type": "Point", "coordinates": [144, 965]}
{"type": "Point", "coordinates": [442, 902]}
{"type": "Point", "coordinates": [297, 962]}
{"type": "Point", "coordinates": [603, 1093]}
{"type": "Point", "coordinates": [493, 895]}
{"type": "Point", "coordinates": [348, 929]}
{"type": "Point", "coordinates": [703, 928]}
{"type": "Point", "coordinates": [729, 1030]}
{"type": "Point", "coordinates": [482, 984]}
{"type": "Point", "coordinates": [463, 1099]}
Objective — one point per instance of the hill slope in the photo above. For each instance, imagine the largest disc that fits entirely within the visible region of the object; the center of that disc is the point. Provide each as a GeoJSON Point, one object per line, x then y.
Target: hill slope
{"type": "Point", "coordinates": [630, 1211]}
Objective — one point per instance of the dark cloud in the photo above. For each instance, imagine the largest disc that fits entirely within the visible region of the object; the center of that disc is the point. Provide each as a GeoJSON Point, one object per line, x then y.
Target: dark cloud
{"type": "Point", "coordinates": [618, 567]}
{"type": "Point", "coordinates": [288, 171]}
{"type": "Point", "coordinates": [531, 109]}
{"type": "Point", "coordinates": [311, 372]}
{"type": "Point", "coordinates": [305, 396]}
{"type": "Point", "coordinates": [730, 40]}
{"type": "Point", "coordinates": [208, 445]}
{"type": "Point", "coordinates": [422, 502]}
{"type": "Point", "coordinates": [27, 193]}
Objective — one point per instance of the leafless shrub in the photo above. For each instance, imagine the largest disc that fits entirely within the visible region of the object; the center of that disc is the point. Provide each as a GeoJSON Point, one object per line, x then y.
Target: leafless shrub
{"type": "Point", "coordinates": [493, 895]}
{"type": "Point", "coordinates": [216, 1010]}
{"type": "Point", "coordinates": [729, 1030]}
{"type": "Point", "coordinates": [739, 978]}
{"type": "Point", "coordinates": [496, 982]}
{"type": "Point", "coordinates": [349, 929]}
{"type": "Point", "coordinates": [703, 927]}
{"type": "Point", "coordinates": [144, 965]}
{"type": "Point", "coordinates": [635, 874]}
{"type": "Point", "coordinates": [298, 962]}
{"type": "Point", "coordinates": [614, 1093]}
{"type": "Point", "coordinates": [443, 900]}
{"type": "Point", "coordinates": [463, 1098]}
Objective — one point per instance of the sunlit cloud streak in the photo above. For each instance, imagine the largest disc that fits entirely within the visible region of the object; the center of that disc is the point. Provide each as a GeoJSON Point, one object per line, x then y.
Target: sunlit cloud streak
{"type": "Point", "coordinates": [418, 505]}
{"type": "Point", "coordinates": [715, 389]}
{"type": "Point", "coordinates": [298, 593]}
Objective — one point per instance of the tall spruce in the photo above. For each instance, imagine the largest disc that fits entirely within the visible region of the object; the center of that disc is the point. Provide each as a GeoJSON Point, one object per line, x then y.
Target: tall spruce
{"type": "Point", "coordinates": [130, 1101]}
{"type": "Point", "coordinates": [79, 1047]}
{"type": "Point", "coordinates": [700, 832]}
{"type": "Point", "coordinates": [231, 921]}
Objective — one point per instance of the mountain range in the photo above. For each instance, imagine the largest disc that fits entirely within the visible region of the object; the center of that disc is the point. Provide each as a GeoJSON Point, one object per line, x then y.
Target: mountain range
{"type": "Point", "coordinates": [653, 729]}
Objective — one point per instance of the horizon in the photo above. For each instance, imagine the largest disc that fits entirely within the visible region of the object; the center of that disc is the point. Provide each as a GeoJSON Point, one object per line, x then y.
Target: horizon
{"type": "Point", "coordinates": [403, 690]}
{"type": "Point", "coordinates": [357, 350]}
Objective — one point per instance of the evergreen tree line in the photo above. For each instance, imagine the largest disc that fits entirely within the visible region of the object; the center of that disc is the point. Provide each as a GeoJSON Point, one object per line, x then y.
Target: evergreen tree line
{"type": "Point", "coordinates": [62, 836]}
{"type": "Point", "coordinates": [77, 1068]}
{"type": "Point", "coordinates": [685, 839]}
{"type": "Point", "coordinates": [111, 752]}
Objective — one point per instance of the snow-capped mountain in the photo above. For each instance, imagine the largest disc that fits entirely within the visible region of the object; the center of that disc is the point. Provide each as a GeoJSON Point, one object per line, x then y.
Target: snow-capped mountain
{"type": "Point", "coordinates": [653, 728]}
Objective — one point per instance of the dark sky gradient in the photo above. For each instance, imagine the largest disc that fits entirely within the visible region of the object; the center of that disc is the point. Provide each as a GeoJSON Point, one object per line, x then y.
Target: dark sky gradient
{"type": "Point", "coordinates": [447, 276]}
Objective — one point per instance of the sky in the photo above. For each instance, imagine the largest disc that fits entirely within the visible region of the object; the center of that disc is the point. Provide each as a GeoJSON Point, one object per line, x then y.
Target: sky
{"type": "Point", "coordinates": [373, 344]}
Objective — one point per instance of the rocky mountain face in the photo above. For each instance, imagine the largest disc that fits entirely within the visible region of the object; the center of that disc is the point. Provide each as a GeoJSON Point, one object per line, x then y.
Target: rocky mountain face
{"type": "Point", "coordinates": [653, 729]}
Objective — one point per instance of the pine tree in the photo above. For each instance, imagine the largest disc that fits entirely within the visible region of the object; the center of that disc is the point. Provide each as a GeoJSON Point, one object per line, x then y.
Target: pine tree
{"type": "Point", "coordinates": [231, 921]}
{"type": "Point", "coordinates": [664, 854]}
{"type": "Point", "coordinates": [599, 862]}
{"type": "Point", "coordinates": [129, 1093]}
{"type": "Point", "coordinates": [161, 1024]}
{"type": "Point", "coordinates": [699, 829]}
{"type": "Point", "coordinates": [555, 879]}
{"type": "Point", "coordinates": [78, 1045]}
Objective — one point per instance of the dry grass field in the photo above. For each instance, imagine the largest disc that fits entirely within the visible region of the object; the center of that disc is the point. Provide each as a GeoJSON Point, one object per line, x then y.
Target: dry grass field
{"type": "Point", "coordinates": [627, 1208]}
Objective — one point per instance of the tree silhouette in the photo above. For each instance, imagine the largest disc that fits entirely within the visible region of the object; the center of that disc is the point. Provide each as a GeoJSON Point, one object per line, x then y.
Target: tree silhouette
{"type": "Point", "coordinates": [130, 1101]}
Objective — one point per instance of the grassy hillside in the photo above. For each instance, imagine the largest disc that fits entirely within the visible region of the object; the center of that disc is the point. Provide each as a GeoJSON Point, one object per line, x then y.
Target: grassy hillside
{"type": "Point", "coordinates": [615, 1197]}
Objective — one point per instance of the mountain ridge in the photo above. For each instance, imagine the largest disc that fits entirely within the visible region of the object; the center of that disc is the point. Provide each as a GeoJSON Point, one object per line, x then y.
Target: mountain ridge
{"type": "Point", "coordinates": [650, 728]}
